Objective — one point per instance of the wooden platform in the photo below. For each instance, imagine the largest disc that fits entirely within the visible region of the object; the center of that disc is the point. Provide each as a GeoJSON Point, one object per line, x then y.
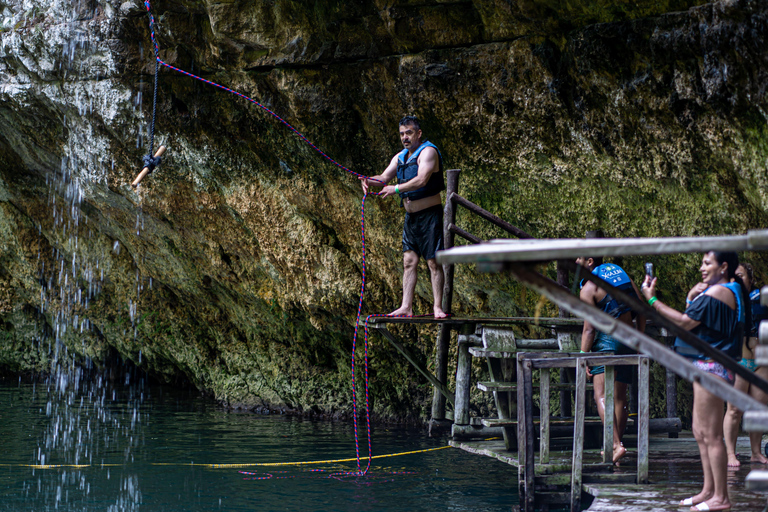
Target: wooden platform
{"type": "Point", "coordinates": [674, 473]}
{"type": "Point", "coordinates": [457, 320]}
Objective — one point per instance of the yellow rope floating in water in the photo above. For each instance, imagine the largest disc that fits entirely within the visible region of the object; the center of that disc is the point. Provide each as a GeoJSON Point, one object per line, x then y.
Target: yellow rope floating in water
{"type": "Point", "coordinates": [304, 463]}
{"type": "Point", "coordinates": [222, 466]}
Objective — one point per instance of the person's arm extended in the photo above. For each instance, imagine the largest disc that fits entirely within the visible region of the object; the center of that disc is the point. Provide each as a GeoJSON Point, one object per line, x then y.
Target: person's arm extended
{"type": "Point", "coordinates": [588, 333]}
{"type": "Point", "coordinates": [382, 179]}
{"type": "Point", "coordinates": [681, 319]}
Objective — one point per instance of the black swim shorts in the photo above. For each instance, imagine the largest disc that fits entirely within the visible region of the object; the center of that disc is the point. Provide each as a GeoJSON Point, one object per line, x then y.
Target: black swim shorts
{"type": "Point", "coordinates": [423, 232]}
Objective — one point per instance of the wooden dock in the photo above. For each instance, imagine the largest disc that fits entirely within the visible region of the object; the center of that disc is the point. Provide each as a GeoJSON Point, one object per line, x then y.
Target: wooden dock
{"type": "Point", "coordinates": [674, 474]}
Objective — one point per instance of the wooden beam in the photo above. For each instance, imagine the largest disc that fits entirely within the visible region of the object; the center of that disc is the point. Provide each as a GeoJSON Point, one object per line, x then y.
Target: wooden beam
{"type": "Point", "coordinates": [578, 435]}
{"type": "Point", "coordinates": [466, 235]}
{"type": "Point", "coordinates": [493, 219]}
{"type": "Point", "coordinates": [569, 249]}
{"type": "Point", "coordinates": [463, 374]}
{"type": "Point", "coordinates": [530, 437]}
{"type": "Point", "coordinates": [608, 414]}
{"type": "Point", "coordinates": [444, 337]}
{"type": "Point", "coordinates": [544, 379]}
{"type": "Point", "coordinates": [643, 415]}
{"type": "Point", "coordinates": [634, 339]}
{"type": "Point", "coordinates": [468, 321]}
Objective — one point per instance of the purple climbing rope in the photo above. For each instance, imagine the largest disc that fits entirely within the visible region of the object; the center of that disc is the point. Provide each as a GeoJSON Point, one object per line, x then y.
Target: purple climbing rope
{"type": "Point", "coordinates": [360, 471]}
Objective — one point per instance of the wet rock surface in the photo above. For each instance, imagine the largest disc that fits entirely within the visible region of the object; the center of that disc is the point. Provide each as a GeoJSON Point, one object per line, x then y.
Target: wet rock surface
{"type": "Point", "coordinates": [236, 266]}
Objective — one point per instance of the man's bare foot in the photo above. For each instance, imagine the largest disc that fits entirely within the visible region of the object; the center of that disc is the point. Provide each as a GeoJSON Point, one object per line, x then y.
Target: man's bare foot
{"type": "Point", "coordinates": [439, 313]}
{"type": "Point", "coordinates": [733, 461]}
{"type": "Point", "coordinates": [758, 458]}
{"type": "Point", "coordinates": [402, 311]}
{"type": "Point", "coordinates": [619, 453]}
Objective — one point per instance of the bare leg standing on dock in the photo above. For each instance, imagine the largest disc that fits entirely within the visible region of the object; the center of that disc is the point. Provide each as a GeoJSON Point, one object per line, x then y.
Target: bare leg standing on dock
{"type": "Point", "coordinates": [708, 432]}
{"type": "Point", "coordinates": [732, 422]}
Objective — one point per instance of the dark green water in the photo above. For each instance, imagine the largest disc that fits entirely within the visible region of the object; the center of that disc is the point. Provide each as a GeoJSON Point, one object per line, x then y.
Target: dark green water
{"type": "Point", "coordinates": [139, 446]}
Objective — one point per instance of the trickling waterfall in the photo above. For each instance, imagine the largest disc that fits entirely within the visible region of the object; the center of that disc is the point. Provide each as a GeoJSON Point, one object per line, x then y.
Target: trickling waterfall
{"type": "Point", "coordinates": [92, 413]}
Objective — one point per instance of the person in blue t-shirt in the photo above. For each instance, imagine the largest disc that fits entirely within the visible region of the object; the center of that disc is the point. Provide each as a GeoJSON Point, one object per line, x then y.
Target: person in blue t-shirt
{"type": "Point", "coordinates": [419, 172]}
{"type": "Point", "coordinates": [716, 312]}
{"type": "Point", "coordinates": [733, 415]}
{"type": "Point", "coordinates": [593, 340]}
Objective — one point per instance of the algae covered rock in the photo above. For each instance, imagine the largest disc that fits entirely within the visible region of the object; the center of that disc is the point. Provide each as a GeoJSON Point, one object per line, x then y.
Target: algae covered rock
{"type": "Point", "coordinates": [237, 264]}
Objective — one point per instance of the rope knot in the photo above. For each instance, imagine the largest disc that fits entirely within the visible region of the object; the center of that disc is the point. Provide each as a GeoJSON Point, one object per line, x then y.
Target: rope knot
{"type": "Point", "coordinates": [151, 162]}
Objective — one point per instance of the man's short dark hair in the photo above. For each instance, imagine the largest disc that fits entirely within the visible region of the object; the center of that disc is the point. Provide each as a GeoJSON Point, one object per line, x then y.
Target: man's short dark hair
{"type": "Point", "coordinates": [411, 120]}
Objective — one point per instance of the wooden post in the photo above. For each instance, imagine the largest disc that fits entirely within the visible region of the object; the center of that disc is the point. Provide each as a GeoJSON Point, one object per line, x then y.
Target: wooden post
{"type": "Point", "coordinates": [565, 394]}
{"type": "Point", "coordinates": [530, 468]}
{"type": "Point", "coordinates": [608, 425]}
{"type": "Point", "coordinates": [463, 370]}
{"type": "Point", "coordinates": [444, 338]}
{"type": "Point", "coordinates": [544, 406]}
{"type": "Point", "coordinates": [578, 434]}
{"type": "Point", "coordinates": [643, 371]}
{"type": "Point", "coordinates": [671, 384]}
{"type": "Point", "coordinates": [521, 429]}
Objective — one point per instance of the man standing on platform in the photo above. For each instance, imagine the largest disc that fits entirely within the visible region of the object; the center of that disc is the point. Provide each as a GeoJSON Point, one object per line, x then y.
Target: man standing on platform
{"type": "Point", "coordinates": [419, 172]}
{"type": "Point", "coordinates": [593, 340]}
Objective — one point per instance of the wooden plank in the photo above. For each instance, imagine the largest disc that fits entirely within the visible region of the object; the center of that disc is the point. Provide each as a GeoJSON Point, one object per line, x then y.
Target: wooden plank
{"type": "Point", "coordinates": [757, 480]}
{"type": "Point", "coordinates": [500, 338]}
{"type": "Point", "coordinates": [463, 374]}
{"type": "Point", "coordinates": [522, 482]}
{"type": "Point", "coordinates": [592, 360]}
{"type": "Point", "coordinates": [570, 249]}
{"type": "Point", "coordinates": [544, 379]}
{"type": "Point", "coordinates": [491, 353]}
{"type": "Point", "coordinates": [496, 386]}
{"type": "Point", "coordinates": [756, 421]}
{"type": "Point", "coordinates": [495, 422]}
{"type": "Point", "coordinates": [466, 235]}
{"type": "Point", "coordinates": [636, 340]}
{"type": "Point", "coordinates": [475, 431]}
{"type": "Point", "coordinates": [610, 372]}
{"type": "Point", "coordinates": [538, 344]}
{"type": "Point", "coordinates": [643, 415]}
{"type": "Point", "coordinates": [460, 320]}
{"type": "Point", "coordinates": [419, 367]}
{"type": "Point", "coordinates": [530, 490]}
{"type": "Point", "coordinates": [578, 435]}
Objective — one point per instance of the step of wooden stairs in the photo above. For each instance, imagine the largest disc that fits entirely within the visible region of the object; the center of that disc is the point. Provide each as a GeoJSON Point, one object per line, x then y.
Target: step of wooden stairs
{"type": "Point", "coordinates": [512, 386]}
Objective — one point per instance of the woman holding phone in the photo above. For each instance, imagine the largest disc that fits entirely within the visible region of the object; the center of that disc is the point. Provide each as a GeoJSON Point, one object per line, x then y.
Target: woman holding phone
{"type": "Point", "coordinates": [716, 312]}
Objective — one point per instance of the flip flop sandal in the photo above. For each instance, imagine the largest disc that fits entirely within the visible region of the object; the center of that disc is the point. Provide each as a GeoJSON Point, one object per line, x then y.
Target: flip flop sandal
{"type": "Point", "coordinates": [703, 507]}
